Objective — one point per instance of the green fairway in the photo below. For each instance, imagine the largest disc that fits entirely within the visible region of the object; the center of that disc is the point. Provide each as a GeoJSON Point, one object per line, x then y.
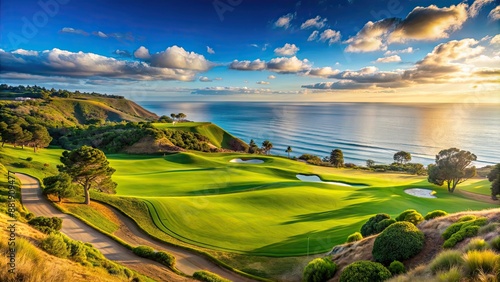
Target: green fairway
{"type": "Point", "coordinates": [263, 209]}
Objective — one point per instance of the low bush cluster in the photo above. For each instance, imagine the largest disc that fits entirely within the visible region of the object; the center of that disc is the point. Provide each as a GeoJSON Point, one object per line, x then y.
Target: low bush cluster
{"type": "Point", "coordinates": [160, 256]}
{"type": "Point", "coordinates": [356, 236]}
{"type": "Point", "coordinates": [446, 260]}
{"type": "Point", "coordinates": [477, 244]}
{"type": "Point", "coordinates": [207, 276]}
{"type": "Point", "coordinates": [434, 214]}
{"type": "Point", "coordinates": [410, 216]}
{"type": "Point", "coordinates": [371, 226]}
{"type": "Point", "coordinates": [320, 269]}
{"type": "Point", "coordinates": [46, 224]}
{"type": "Point", "coordinates": [465, 227]}
{"type": "Point", "coordinates": [495, 243]}
{"type": "Point", "coordinates": [400, 241]}
{"type": "Point", "coordinates": [365, 271]}
{"type": "Point", "coordinates": [396, 268]}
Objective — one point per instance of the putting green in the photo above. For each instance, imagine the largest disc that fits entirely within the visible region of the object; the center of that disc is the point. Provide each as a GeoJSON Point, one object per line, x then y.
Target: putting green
{"type": "Point", "coordinates": [263, 209]}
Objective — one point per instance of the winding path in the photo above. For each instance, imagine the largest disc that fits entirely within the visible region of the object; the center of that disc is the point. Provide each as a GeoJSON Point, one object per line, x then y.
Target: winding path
{"type": "Point", "coordinates": [186, 261]}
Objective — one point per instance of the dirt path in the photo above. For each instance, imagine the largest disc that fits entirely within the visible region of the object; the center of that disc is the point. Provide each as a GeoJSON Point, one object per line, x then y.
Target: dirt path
{"type": "Point", "coordinates": [478, 197]}
{"type": "Point", "coordinates": [33, 200]}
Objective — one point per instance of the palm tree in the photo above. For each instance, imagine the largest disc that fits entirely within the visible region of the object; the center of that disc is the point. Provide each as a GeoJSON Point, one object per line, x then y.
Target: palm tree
{"type": "Point", "coordinates": [288, 150]}
{"type": "Point", "coordinates": [267, 146]}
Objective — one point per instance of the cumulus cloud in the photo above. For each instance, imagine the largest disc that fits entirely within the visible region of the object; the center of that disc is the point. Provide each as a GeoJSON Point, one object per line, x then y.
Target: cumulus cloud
{"type": "Point", "coordinates": [122, 53]}
{"type": "Point", "coordinates": [248, 65]}
{"type": "Point", "coordinates": [330, 35]}
{"type": "Point", "coordinates": [316, 22]}
{"type": "Point", "coordinates": [220, 90]}
{"type": "Point", "coordinates": [326, 72]}
{"type": "Point", "coordinates": [422, 23]}
{"type": "Point", "coordinates": [63, 63]}
{"type": "Point", "coordinates": [210, 50]}
{"type": "Point", "coordinates": [288, 65]}
{"type": "Point", "coordinates": [338, 85]}
{"type": "Point", "coordinates": [287, 50]}
{"type": "Point", "coordinates": [284, 21]}
{"type": "Point", "coordinates": [263, 82]}
{"type": "Point", "coordinates": [271, 77]}
{"type": "Point", "coordinates": [74, 31]}
{"type": "Point", "coordinates": [313, 36]}
{"type": "Point", "coordinates": [176, 57]}
{"type": "Point", "coordinates": [408, 50]}
{"type": "Point", "coordinates": [204, 79]}
{"type": "Point", "coordinates": [495, 13]}
{"type": "Point", "coordinates": [495, 39]}
{"type": "Point", "coordinates": [390, 59]}
{"type": "Point", "coordinates": [25, 52]}
{"type": "Point", "coordinates": [476, 6]}
{"type": "Point", "coordinates": [142, 53]}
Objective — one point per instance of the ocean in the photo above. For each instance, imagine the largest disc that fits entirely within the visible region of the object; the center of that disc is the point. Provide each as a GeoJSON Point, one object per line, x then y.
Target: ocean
{"type": "Point", "coordinates": [361, 130]}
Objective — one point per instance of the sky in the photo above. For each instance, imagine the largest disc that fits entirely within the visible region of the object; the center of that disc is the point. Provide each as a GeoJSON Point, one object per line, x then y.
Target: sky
{"type": "Point", "coordinates": [254, 50]}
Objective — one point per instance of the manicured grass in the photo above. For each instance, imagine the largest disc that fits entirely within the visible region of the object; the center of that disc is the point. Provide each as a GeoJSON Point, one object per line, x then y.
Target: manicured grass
{"type": "Point", "coordinates": [217, 136]}
{"type": "Point", "coordinates": [95, 213]}
{"type": "Point", "coordinates": [263, 209]}
{"type": "Point", "coordinates": [475, 185]}
{"type": "Point", "coordinates": [12, 158]}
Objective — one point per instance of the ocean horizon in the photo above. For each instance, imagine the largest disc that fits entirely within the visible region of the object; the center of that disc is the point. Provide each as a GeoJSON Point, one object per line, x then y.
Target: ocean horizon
{"type": "Point", "coordinates": [361, 130]}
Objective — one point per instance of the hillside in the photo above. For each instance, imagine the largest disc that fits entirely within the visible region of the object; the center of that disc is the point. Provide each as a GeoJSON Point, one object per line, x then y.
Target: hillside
{"type": "Point", "coordinates": [419, 266]}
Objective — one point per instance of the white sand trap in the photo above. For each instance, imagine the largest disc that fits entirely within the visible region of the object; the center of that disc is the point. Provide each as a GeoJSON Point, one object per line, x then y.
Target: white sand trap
{"type": "Point", "coordinates": [422, 193]}
{"type": "Point", "coordinates": [315, 178]}
{"type": "Point", "coordinates": [253, 161]}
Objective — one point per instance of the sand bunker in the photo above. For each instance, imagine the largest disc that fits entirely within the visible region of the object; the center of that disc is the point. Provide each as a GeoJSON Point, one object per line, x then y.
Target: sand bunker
{"type": "Point", "coordinates": [422, 193]}
{"type": "Point", "coordinates": [315, 178]}
{"type": "Point", "coordinates": [253, 161]}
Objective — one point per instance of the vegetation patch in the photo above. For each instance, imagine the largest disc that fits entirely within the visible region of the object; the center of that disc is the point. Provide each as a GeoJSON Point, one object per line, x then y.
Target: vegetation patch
{"type": "Point", "coordinates": [446, 260]}
{"type": "Point", "coordinates": [320, 269]}
{"type": "Point", "coordinates": [365, 271]}
{"type": "Point", "coordinates": [434, 214]}
{"type": "Point", "coordinates": [371, 226]}
{"type": "Point", "coordinates": [396, 268]}
{"type": "Point", "coordinates": [207, 276]}
{"type": "Point", "coordinates": [400, 241]}
{"type": "Point", "coordinates": [465, 227]}
{"type": "Point", "coordinates": [410, 216]}
{"type": "Point", "coordinates": [356, 236]}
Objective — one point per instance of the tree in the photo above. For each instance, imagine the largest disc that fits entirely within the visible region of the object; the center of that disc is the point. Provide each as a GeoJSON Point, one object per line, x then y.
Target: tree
{"type": "Point", "coordinates": [181, 116]}
{"type": "Point", "coordinates": [337, 158]}
{"type": "Point", "coordinates": [453, 167]}
{"type": "Point", "coordinates": [4, 132]}
{"type": "Point", "coordinates": [288, 150]}
{"type": "Point", "coordinates": [402, 157]}
{"type": "Point", "coordinates": [173, 116]}
{"type": "Point", "coordinates": [87, 166]}
{"type": "Point", "coordinates": [370, 163]}
{"type": "Point", "coordinates": [40, 137]}
{"type": "Point", "coordinates": [494, 178]}
{"type": "Point", "coordinates": [267, 146]}
{"type": "Point", "coordinates": [60, 185]}
{"type": "Point", "coordinates": [253, 147]}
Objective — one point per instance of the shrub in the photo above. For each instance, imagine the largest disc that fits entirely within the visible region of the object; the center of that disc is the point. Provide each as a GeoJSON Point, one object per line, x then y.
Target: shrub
{"type": "Point", "coordinates": [369, 228]}
{"type": "Point", "coordinates": [356, 236]}
{"type": "Point", "coordinates": [411, 216]}
{"type": "Point", "coordinates": [476, 262]}
{"type": "Point", "coordinates": [29, 216]}
{"type": "Point", "coordinates": [466, 218]}
{"type": "Point", "coordinates": [465, 227]}
{"type": "Point", "coordinates": [493, 226]}
{"type": "Point", "coordinates": [434, 214]}
{"type": "Point", "coordinates": [364, 271]}
{"type": "Point", "coordinates": [318, 270]}
{"type": "Point", "coordinates": [164, 258]}
{"type": "Point", "coordinates": [77, 250]}
{"type": "Point", "coordinates": [397, 267]}
{"type": "Point", "coordinates": [477, 244]}
{"type": "Point", "coordinates": [144, 251]}
{"type": "Point", "coordinates": [495, 243]}
{"type": "Point", "coordinates": [29, 159]}
{"type": "Point", "coordinates": [46, 224]}
{"type": "Point", "coordinates": [54, 244]}
{"type": "Point", "coordinates": [454, 274]}
{"type": "Point", "coordinates": [400, 241]}
{"type": "Point", "coordinates": [207, 276]}
{"type": "Point", "coordinates": [445, 260]}
{"type": "Point", "coordinates": [382, 225]}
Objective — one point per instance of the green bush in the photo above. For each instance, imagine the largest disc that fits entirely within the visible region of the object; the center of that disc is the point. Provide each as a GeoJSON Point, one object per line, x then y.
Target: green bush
{"type": "Point", "coordinates": [445, 260]}
{"type": "Point", "coordinates": [410, 216]}
{"type": "Point", "coordinates": [465, 227]}
{"type": "Point", "coordinates": [382, 225]}
{"type": "Point", "coordinates": [77, 250]}
{"type": "Point", "coordinates": [476, 262]}
{"type": "Point", "coordinates": [434, 214]}
{"type": "Point", "coordinates": [477, 244]}
{"type": "Point", "coordinates": [54, 244]}
{"type": "Point", "coordinates": [400, 241]}
{"type": "Point", "coordinates": [29, 159]}
{"type": "Point", "coordinates": [365, 271]}
{"type": "Point", "coordinates": [396, 268]}
{"type": "Point", "coordinates": [356, 236]}
{"type": "Point", "coordinates": [495, 243]}
{"type": "Point", "coordinates": [370, 228]}
{"type": "Point", "coordinates": [144, 251]}
{"type": "Point", "coordinates": [466, 218]}
{"type": "Point", "coordinates": [46, 224]}
{"type": "Point", "coordinates": [29, 216]}
{"type": "Point", "coordinates": [164, 258]}
{"type": "Point", "coordinates": [454, 274]}
{"type": "Point", "coordinates": [467, 232]}
{"type": "Point", "coordinates": [318, 270]}
{"type": "Point", "coordinates": [207, 276]}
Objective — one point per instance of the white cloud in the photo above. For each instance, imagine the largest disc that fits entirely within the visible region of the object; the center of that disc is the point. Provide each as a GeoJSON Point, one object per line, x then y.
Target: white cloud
{"type": "Point", "coordinates": [25, 52]}
{"type": "Point", "coordinates": [476, 6]}
{"type": "Point", "coordinates": [330, 35]}
{"type": "Point", "coordinates": [495, 13]}
{"type": "Point", "coordinates": [325, 72]}
{"type": "Point", "coordinates": [271, 77]}
{"type": "Point", "coordinates": [313, 36]}
{"type": "Point", "coordinates": [263, 82]}
{"type": "Point", "coordinates": [316, 22]}
{"type": "Point", "coordinates": [248, 65]}
{"type": "Point", "coordinates": [408, 50]}
{"type": "Point", "coordinates": [287, 50]}
{"type": "Point", "coordinates": [74, 31]}
{"type": "Point", "coordinates": [210, 50]}
{"type": "Point", "coordinates": [100, 34]}
{"type": "Point", "coordinates": [204, 79]}
{"type": "Point", "coordinates": [122, 53]}
{"type": "Point", "coordinates": [495, 39]}
{"type": "Point", "coordinates": [176, 57]}
{"type": "Point", "coordinates": [390, 59]}
{"type": "Point", "coordinates": [142, 53]}
{"type": "Point", "coordinates": [284, 21]}
{"type": "Point", "coordinates": [288, 65]}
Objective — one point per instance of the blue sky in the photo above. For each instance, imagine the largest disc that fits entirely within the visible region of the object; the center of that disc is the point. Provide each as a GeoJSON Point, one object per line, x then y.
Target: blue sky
{"type": "Point", "coordinates": [350, 50]}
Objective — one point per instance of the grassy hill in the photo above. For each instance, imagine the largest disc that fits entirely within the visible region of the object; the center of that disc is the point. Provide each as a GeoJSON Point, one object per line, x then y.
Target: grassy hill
{"type": "Point", "coordinates": [216, 135]}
